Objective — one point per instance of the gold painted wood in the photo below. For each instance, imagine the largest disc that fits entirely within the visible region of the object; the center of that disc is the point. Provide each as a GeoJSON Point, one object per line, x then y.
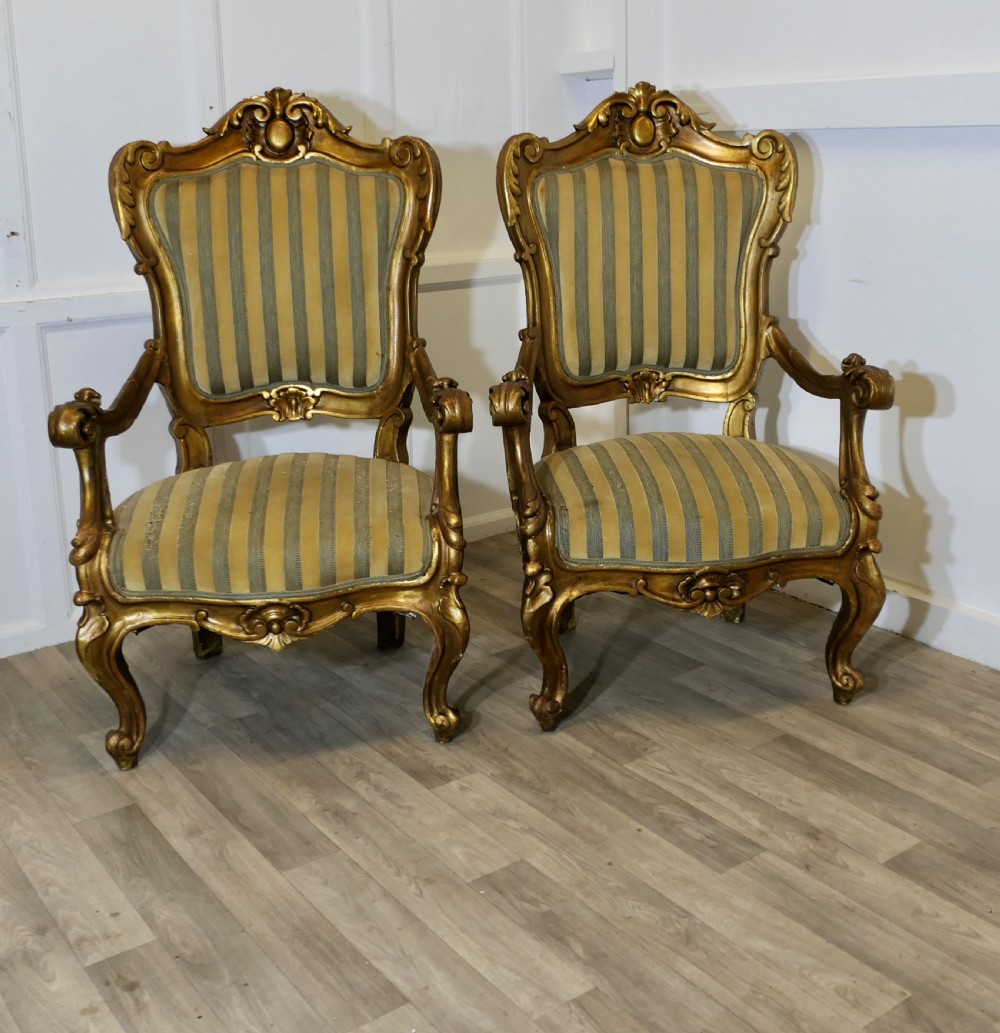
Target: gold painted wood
{"type": "Point", "coordinates": [279, 130]}
{"type": "Point", "coordinates": [645, 125]}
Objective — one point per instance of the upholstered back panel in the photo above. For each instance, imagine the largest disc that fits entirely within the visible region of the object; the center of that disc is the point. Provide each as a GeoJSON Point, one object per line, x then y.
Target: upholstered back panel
{"type": "Point", "coordinates": [647, 258]}
{"type": "Point", "coordinates": [282, 270]}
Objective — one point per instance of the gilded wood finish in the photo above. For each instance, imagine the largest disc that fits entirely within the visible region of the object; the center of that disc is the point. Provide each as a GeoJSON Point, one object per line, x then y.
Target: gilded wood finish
{"type": "Point", "coordinates": [646, 123]}
{"type": "Point", "coordinates": [280, 128]}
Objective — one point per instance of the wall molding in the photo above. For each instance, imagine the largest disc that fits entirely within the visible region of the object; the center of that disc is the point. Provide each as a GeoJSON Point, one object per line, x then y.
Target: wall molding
{"type": "Point", "coordinates": [875, 102]}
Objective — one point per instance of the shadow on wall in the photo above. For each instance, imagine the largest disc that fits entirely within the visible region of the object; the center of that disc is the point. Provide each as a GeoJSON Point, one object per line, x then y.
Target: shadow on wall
{"type": "Point", "coordinates": [913, 515]}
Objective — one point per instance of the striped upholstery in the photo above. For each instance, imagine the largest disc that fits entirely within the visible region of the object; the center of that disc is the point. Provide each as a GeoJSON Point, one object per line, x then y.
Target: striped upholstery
{"type": "Point", "coordinates": [283, 272]}
{"type": "Point", "coordinates": [662, 500]}
{"type": "Point", "coordinates": [647, 259]}
{"type": "Point", "coordinates": [291, 525]}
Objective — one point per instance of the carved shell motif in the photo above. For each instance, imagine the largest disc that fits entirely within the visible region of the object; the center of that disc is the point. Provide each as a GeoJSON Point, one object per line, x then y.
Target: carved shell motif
{"type": "Point", "coordinates": [278, 125]}
{"type": "Point", "coordinates": [642, 120]}
{"type": "Point", "coordinates": [275, 626]}
{"type": "Point", "coordinates": [291, 402]}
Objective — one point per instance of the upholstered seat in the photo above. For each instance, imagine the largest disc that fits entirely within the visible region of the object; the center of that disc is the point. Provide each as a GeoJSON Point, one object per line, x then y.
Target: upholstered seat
{"type": "Point", "coordinates": [645, 242]}
{"type": "Point", "coordinates": [666, 500]}
{"type": "Point", "coordinates": [281, 257]}
{"type": "Point", "coordinates": [293, 525]}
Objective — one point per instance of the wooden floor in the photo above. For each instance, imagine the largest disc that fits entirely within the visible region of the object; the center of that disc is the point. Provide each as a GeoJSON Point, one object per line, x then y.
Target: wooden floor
{"type": "Point", "coordinates": [707, 844]}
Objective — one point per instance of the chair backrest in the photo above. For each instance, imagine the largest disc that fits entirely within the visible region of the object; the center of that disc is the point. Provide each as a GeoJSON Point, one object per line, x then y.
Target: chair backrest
{"type": "Point", "coordinates": [645, 241]}
{"type": "Point", "coordinates": [282, 258]}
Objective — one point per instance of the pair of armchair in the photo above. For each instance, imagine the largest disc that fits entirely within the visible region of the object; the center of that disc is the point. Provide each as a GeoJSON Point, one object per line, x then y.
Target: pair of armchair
{"type": "Point", "coordinates": [282, 258]}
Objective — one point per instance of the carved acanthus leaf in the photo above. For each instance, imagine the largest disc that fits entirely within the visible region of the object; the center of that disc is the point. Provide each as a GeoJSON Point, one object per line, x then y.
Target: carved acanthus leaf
{"type": "Point", "coordinates": [526, 148]}
{"type": "Point", "coordinates": [772, 146]}
{"type": "Point", "coordinates": [292, 402]}
{"type": "Point", "coordinates": [148, 156]}
{"type": "Point", "coordinates": [646, 385]}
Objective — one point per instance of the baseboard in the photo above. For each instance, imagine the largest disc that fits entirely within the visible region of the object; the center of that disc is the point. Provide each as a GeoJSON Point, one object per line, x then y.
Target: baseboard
{"type": "Point", "coordinates": [932, 619]}
{"type": "Point", "coordinates": [486, 524]}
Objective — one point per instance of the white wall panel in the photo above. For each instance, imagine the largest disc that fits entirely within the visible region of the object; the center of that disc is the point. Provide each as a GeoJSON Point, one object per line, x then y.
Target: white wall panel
{"type": "Point", "coordinates": [89, 81]}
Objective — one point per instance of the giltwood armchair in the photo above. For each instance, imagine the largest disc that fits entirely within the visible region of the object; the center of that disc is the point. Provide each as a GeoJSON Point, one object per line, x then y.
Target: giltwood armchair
{"type": "Point", "coordinates": [645, 242]}
{"type": "Point", "coordinates": [281, 257]}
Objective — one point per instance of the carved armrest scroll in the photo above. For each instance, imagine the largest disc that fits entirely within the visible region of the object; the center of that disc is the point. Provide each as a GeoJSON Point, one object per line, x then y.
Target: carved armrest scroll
{"type": "Point", "coordinates": [83, 426]}
{"type": "Point", "coordinates": [859, 385]}
{"type": "Point", "coordinates": [447, 406]}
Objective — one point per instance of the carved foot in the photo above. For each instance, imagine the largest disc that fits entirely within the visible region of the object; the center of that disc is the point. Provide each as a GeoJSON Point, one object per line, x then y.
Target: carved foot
{"type": "Point", "coordinates": [444, 723]}
{"type": "Point", "coordinates": [450, 625]}
{"type": "Point", "coordinates": [206, 643]}
{"type": "Point", "coordinates": [734, 614]}
{"type": "Point", "coordinates": [847, 685]}
{"type": "Point", "coordinates": [122, 749]}
{"type": "Point", "coordinates": [862, 594]}
{"type": "Point", "coordinates": [391, 630]}
{"type": "Point", "coordinates": [101, 654]}
{"type": "Point", "coordinates": [547, 711]}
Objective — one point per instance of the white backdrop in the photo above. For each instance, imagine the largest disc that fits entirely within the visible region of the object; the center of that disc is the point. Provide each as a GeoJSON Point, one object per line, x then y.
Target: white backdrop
{"type": "Point", "coordinates": [889, 254]}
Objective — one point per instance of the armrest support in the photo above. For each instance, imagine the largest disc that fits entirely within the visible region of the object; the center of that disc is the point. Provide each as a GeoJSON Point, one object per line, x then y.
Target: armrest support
{"type": "Point", "coordinates": [83, 426]}
{"type": "Point", "coordinates": [859, 388]}
{"type": "Point", "coordinates": [449, 410]}
{"type": "Point", "coordinates": [510, 408]}
{"type": "Point", "coordinates": [447, 406]}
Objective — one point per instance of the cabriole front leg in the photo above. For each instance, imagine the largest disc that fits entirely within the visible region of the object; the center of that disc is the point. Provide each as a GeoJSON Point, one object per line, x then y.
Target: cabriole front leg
{"type": "Point", "coordinates": [449, 624]}
{"type": "Point", "coordinates": [102, 657]}
{"type": "Point", "coordinates": [541, 618]}
{"type": "Point", "coordinates": [862, 593]}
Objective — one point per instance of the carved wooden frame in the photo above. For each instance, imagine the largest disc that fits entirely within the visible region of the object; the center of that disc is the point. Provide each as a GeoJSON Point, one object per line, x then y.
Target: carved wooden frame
{"type": "Point", "coordinates": [280, 126]}
{"type": "Point", "coordinates": [644, 122]}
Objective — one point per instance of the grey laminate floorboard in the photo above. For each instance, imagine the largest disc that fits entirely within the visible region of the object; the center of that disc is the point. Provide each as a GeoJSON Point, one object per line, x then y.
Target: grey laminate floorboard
{"type": "Point", "coordinates": [706, 844]}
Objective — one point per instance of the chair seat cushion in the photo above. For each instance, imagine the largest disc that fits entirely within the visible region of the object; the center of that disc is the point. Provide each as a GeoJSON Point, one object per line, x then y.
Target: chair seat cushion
{"type": "Point", "coordinates": [293, 525]}
{"type": "Point", "coordinates": [682, 500]}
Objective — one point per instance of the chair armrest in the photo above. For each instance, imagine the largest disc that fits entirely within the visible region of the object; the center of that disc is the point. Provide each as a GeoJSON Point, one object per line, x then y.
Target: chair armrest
{"type": "Point", "coordinates": [449, 410]}
{"type": "Point", "coordinates": [859, 387]}
{"type": "Point", "coordinates": [510, 409]}
{"type": "Point", "coordinates": [83, 426]}
{"type": "Point", "coordinates": [447, 406]}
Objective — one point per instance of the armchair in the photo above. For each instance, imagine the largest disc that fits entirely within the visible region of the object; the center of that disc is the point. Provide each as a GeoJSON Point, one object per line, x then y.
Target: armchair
{"type": "Point", "coordinates": [281, 257]}
{"type": "Point", "coordinates": [645, 242]}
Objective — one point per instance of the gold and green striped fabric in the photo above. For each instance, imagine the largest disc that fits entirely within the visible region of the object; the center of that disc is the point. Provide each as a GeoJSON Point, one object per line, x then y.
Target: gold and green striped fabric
{"type": "Point", "coordinates": [648, 260]}
{"type": "Point", "coordinates": [292, 525]}
{"type": "Point", "coordinates": [283, 272]}
{"type": "Point", "coordinates": [662, 500]}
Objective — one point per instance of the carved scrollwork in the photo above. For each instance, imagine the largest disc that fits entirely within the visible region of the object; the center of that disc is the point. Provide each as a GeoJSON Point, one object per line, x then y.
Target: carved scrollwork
{"type": "Point", "coordinates": [740, 416]}
{"type": "Point", "coordinates": [524, 148]}
{"type": "Point", "coordinates": [768, 146]}
{"type": "Point", "coordinates": [280, 124]}
{"type": "Point", "coordinates": [537, 588]}
{"type": "Point", "coordinates": [291, 402]}
{"type": "Point", "coordinates": [406, 151]}
{"type": "Point", "coordinates": [93, 621]}
{"type": "Point", "coordinates": [510, 400]}
{"type": "Point", "coordinates": [149, 156]}
{"type": "Point", "coordinates": [274, 625]}
{"type": "Point", "coordinates": [449, 605]}
{"type": "Point", "coordinates": [871, 387]}
{"type": "Point", "coordinates": [646, 385]}
{"type": "Point", "coordinates": [707, 592]}
{"type": "Point", "coordinates": [642, 120]}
